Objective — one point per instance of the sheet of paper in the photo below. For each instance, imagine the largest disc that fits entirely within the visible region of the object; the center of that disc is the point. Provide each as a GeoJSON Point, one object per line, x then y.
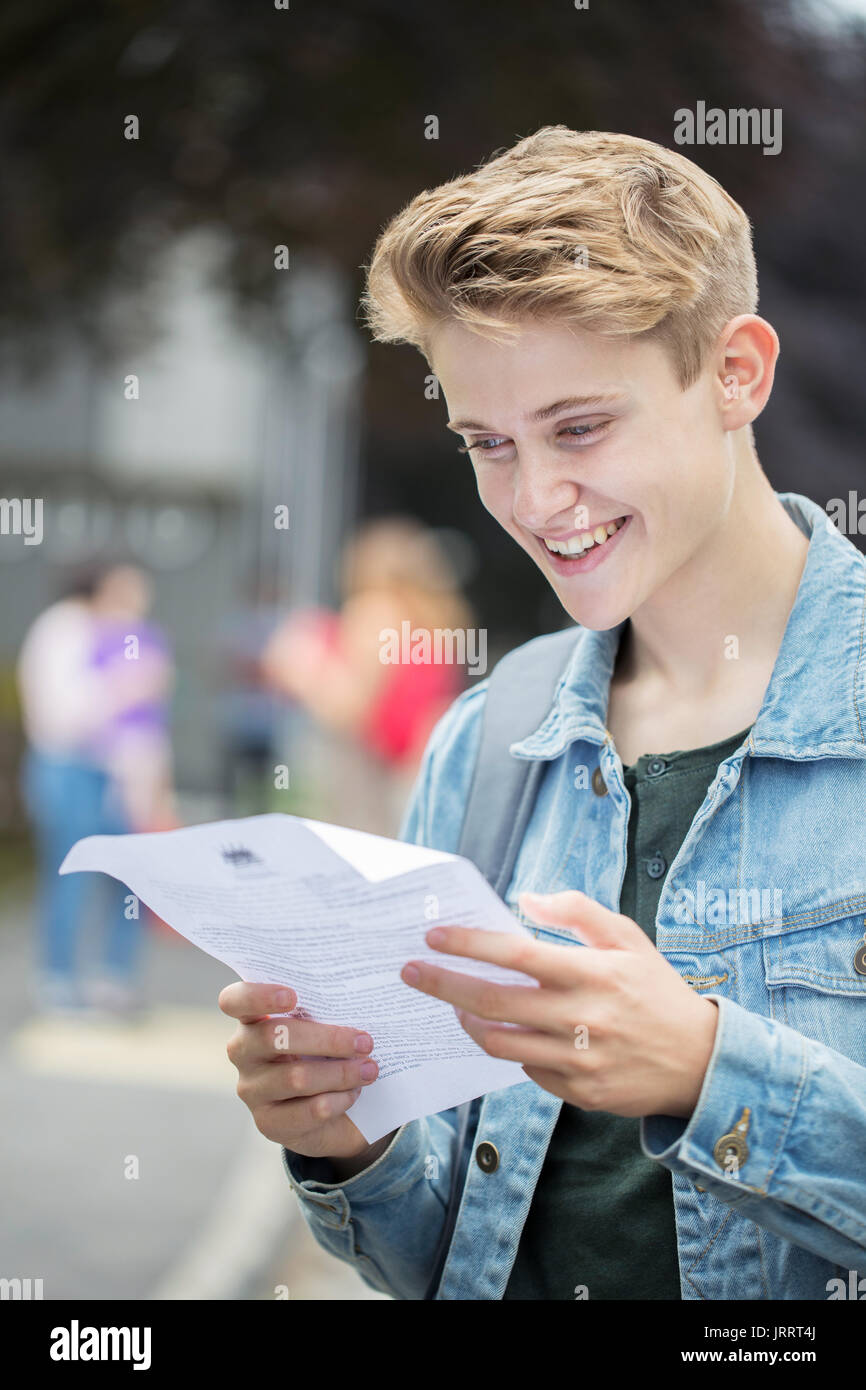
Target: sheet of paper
{"type": "Point", "coordinates": [334, 913]}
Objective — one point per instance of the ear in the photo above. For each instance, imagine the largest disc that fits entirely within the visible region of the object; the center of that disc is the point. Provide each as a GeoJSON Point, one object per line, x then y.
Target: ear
{"type": "Point", "coordinates": [745, 365]}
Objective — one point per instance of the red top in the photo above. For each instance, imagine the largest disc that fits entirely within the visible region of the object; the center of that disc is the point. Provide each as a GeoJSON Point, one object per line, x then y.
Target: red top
{"type": "Point", "coordinates": [411, 699]}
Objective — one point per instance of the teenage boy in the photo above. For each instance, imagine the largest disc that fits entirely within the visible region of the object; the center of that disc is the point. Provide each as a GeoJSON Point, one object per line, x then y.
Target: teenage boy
{"type": "Point", "coordinates": [693, 1124]}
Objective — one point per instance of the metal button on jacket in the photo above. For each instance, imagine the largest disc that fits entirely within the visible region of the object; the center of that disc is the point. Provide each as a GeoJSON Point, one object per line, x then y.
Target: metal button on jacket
{"type": "Point", "coordinates": [487, 1157]}
{"type": "Point", "coordinates": [733, 1145]}
{"type": "Point", "coordinates": [599, 786]}
{"type": "Point", "coordinates": [655, 767]}
{"type": "Point", "coordinates": [860, 956]}
{"type": "Point", "coordinates": [657, 865]}
{"type": "Point", "coordinates": [728, 1147]}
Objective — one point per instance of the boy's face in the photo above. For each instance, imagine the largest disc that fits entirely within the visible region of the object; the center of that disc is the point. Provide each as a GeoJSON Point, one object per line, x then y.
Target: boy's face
{"type": "Point", "coordinates": [636, 447]}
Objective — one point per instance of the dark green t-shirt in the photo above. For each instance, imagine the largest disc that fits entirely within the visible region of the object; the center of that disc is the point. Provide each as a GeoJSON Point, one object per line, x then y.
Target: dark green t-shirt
{"type": "Point", "coordinates": [602, 1216]}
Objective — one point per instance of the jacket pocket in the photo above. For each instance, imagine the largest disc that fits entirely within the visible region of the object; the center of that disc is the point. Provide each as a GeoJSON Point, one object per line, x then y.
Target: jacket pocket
{"type": "Point", "coordinates": [816, 981]}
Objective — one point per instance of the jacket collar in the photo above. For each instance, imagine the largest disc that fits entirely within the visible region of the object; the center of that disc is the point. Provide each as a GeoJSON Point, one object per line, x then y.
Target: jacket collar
{"type": "Point", "coordinates": [815, 703]}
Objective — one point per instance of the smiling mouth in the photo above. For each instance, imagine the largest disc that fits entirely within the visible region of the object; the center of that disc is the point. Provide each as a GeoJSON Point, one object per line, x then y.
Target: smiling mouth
{"type": "Point", "coordinates": [586, 540]}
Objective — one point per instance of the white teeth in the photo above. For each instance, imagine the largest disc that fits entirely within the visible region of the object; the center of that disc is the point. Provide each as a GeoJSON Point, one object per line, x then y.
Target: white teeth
{"type": "Point", "coordinates": [576, 545]}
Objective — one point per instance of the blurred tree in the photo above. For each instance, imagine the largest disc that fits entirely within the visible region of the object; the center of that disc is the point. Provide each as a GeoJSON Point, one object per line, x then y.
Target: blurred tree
{"type": "Point", "coordinates": [305, 126]}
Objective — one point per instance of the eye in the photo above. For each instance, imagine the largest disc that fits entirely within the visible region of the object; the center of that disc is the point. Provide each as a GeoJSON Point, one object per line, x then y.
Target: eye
{"type": "Point", "coordinates": [494, 442]}
{"type": "Point", "coordinates": [581, 430]}
{"type": "Point", "coordinates": [497, 441]}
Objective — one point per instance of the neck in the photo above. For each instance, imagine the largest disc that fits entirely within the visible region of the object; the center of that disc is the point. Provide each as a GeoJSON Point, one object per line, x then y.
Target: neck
{"type": "Point", "coordinates": [741, 584]}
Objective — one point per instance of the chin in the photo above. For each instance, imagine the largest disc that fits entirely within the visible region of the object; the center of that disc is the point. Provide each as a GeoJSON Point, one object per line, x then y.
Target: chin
{"type": "Point", "coordinates": [601, 625]}
{"type": "Point", "coordinates": [600, 617]}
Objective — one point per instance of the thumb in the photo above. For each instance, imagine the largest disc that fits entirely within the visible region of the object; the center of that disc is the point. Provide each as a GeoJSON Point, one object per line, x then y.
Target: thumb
{"type": "Point", "coordinates": [591, 922]}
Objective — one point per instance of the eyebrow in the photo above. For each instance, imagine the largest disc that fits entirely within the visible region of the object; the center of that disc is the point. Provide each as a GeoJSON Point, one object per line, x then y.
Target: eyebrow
{"type": "Point", "coordinates": [548, 411]}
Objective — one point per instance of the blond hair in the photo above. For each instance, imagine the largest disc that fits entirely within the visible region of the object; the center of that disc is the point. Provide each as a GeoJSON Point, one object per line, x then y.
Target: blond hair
{"type": "Point", "coordinates": [614, 233]}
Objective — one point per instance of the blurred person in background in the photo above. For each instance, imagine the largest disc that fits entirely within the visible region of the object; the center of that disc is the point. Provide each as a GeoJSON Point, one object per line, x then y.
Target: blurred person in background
{"type": "Point", "coordinates": [249, 710]}
{"type": "Point", "coordinates": [133, 743]}
{"type": "Point", "coordinates": [379, 712]}
{"type": "Point", "coordinates": [89, 720]}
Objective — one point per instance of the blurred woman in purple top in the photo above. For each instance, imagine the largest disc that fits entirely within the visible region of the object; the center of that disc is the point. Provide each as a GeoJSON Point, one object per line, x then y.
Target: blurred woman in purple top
{"type": "Point", "coordinates": [94, 682]}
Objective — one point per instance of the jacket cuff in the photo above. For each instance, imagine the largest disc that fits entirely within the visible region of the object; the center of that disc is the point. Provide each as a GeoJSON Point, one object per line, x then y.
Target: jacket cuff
{"type": "Point", "coordinates": [393, 1172]}
{"type": "Point", "coordinates": [737, 1132]}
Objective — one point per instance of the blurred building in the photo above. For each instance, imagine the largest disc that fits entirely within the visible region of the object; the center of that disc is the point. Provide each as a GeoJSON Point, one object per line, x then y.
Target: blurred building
{"type": "Point", "coordinates": [230, 424]}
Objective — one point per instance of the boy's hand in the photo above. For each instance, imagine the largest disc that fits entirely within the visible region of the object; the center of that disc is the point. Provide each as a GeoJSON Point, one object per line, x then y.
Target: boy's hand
{"type": "Point", "coordinates": [298, 1078]}
{"type": "Point", "coordinates": [612, 1027]}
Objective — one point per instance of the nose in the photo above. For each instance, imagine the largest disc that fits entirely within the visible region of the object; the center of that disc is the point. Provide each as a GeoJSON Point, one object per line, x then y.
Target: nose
{"type": "Point", "coordinates": [541, 493]}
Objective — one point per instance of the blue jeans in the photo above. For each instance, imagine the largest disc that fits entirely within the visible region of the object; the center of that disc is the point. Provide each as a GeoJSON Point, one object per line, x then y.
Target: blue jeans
{"type": "Point", "coordinates": [67, 800]}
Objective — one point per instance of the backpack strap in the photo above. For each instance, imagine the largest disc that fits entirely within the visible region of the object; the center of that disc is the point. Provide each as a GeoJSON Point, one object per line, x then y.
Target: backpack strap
{"type": "Point", "coordinates": [500, 801]}
{"type": "Point", "coordinates": [503, 789]}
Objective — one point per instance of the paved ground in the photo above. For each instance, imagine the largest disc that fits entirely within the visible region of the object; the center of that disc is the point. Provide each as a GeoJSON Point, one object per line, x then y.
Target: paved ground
{"type": "Point", "coordinates": [130, 1168]}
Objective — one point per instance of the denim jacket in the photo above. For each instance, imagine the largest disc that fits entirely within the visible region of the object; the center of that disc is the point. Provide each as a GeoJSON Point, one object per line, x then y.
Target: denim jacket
{"type": "Point", "coordinates": [763, 910]}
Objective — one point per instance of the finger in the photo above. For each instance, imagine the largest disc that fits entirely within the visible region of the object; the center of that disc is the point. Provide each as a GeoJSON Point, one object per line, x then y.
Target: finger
{"type": "Point", "coordinates": [302, 1117]}
{"type": "Point", "coordinates": [273, 1039]}
{"type": "Point", "coordinates": [550, 964]}
{"type": "Point", "coordinates": [524, 1045]}
{"type": "Point", "coordinates": [592, 922]}
{"type": "Point", "coordinates": [509, 1003]}
{"type": "Point", "coordinates": [557, 1082]}
{"type": "Point", "coordinates": [304, 1077]}
{"type": "Point", "coordinates": [248, 1002]}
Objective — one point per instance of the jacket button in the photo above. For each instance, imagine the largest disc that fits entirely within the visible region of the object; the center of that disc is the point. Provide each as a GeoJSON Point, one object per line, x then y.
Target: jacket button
{"type": "Point", "coordinates": [730, 1145]}
{"type": "Point", "coordinates": [860, 958]}
{"type": "Point", "coordinates": [734, 1144]}
{"type": "Point", "coordinates": [487, 1157]}
{"type": "Point", "coordinates": [599, 786]}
